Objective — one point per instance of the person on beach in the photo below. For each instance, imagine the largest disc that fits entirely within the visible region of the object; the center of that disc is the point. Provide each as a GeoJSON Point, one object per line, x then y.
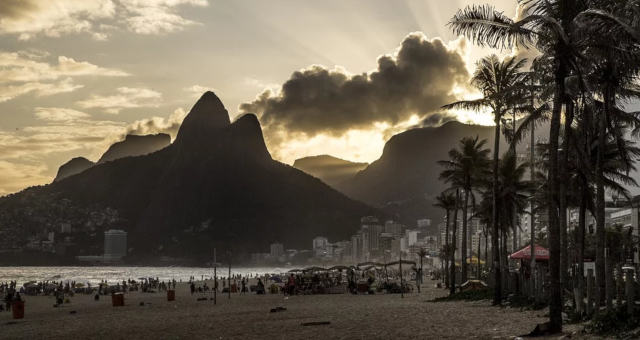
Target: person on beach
{"type": "Point", "coordinates": [260, 289]}
{"type": "Point", "coordinates": [193, 288]}
{"type": "Point", "coordinates": [244, 286]}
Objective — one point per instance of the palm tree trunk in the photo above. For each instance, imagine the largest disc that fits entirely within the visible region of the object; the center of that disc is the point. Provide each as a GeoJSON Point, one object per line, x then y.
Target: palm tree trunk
{"type": "Point", "coordinates": [497, 277]}
{"type": "Point", "coordinates": [478, 258]}
{"type": "Point", "coordinates": [463, 257]}
{"type": "Point", "coordinates": [486, 249]}
{"type": "Point", "coordinates": [564, 241]}
{"type": "Point", "coordinates": [555, 298]}
{"type": "Point", "coordinates": [452, 285]}
{"type": "Point", "coordinates": [446, 247]}
{"type": "Point", "coordinates": [532, 155]}
{"type": "Point", "coordinates": [580, 246]}
{"type": "Point", "coordinates": [600, 204]}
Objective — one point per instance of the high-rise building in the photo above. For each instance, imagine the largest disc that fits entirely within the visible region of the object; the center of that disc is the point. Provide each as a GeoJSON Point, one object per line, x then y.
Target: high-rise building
{"type": "Point", "coordinates": [356, 247]}
{"type": "Point", "coordinates": [393, 227]}
{"type": "Point", "coordinates": [277, 250]}
{"type": "Point", "coordinates": [320, 242]}
{"type": "Point", "coordinates": [424, 223]}
{"type": "Point", "coordinates": [412, 237]}
{"type": "Point", "coordinates": [115, 244]}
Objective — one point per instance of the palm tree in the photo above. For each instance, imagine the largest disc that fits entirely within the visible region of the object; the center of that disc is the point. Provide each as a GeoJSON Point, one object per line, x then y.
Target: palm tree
{"type": "Point", "coordinates": [615, 63]}
{"type": "Point", "coordinates": [421, 253]}
{"type": "Point", "coordinates": [447, 201]}
{"type": "Point", "coordinates": [549, 25]}
{"type": "Point", "coordinates": [462, 170]}
{"type": "Point", "coordinates": [498, 81]}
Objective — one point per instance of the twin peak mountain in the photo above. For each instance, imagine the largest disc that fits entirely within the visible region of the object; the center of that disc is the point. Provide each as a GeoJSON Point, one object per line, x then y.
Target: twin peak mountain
{"type": "Point", "coordinates": [215, 185]}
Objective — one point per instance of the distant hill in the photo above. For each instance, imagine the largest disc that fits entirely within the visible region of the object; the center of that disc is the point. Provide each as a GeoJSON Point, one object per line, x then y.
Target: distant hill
{"type": "Point", "coordinates": [215, 186]}
{"type": "Point", "coordinates": [329, 169]}
{"type": "Point", "coordinates": [404, 180]}
{"type": "Point", "coordinates": [74, 166]}
{"type": "Point", "coordinates": [134, 145]}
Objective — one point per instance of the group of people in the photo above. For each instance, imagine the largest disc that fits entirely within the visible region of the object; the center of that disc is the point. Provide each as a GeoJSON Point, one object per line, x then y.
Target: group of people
{"type": "Point", "coordinates": [228, 285]}
{"type": "Point", "coordinates": [10, 294]}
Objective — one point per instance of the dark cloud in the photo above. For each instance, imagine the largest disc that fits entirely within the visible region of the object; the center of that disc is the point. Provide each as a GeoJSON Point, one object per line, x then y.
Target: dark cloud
{"type": "Point", "coordinates": [16, 8]}
{"type": "Point", "coordinates": [169, 125]}
{"type": "Point", "coordinates": [436, 119]}
{"type": "Point", "coordinates": [418, 79]}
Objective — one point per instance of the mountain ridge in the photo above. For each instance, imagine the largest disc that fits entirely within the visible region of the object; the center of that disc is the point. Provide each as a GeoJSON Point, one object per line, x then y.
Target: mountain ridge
{"type": "Point", "coordinates": [219, 188]}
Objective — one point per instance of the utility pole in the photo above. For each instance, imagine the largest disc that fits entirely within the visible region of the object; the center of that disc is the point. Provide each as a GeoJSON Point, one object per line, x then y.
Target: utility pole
{"type": "Point", "coordinates": [401, 285]}
{"type": "Point", "coordinates": [215, 278]}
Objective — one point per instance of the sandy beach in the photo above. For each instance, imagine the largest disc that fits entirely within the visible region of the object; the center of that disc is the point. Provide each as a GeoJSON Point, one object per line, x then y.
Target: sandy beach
{"type": "Point", "coordinates": [380, 316]}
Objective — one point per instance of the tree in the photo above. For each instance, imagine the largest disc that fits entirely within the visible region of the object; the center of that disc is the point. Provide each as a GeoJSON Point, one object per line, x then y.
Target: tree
{"type": "Point", "coordinates": [463, 169]}
{"type": "Point", "coordinates": [447, 201]}
{"type": "Point", "coordinates": [499, 83]}
{"type": "Point", "coordinates": [548, 26]}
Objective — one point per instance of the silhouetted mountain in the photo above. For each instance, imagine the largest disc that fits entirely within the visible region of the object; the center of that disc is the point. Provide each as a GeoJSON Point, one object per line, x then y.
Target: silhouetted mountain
{"type": "Point", "coordinates": [329, 169]}
{"type": "Point", "coordinates": [404, 180]}
{"type": "Point", "coordinates": [74, 166]}
{"type": "Point", "coordinates": [134, 145]}
{"type": "Point", "coordinates": [215, 186]}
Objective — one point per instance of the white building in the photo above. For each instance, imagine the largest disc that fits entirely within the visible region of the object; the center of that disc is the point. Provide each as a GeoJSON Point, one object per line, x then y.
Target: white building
{"type": "Point", "coordinates": [412, 237]}
{"type": "Point", "coordinates": [276, 250]}
{"type": "Point", "coordinates": [424, 223]}
{"type": "Point", "coordinates": [115, 244]}
{"type": "Point", "coordinates": [320, 242]}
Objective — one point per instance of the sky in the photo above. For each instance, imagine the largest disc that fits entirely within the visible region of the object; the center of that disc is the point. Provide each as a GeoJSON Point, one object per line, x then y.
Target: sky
{"type": "Point", "coordinates": [335, 77]}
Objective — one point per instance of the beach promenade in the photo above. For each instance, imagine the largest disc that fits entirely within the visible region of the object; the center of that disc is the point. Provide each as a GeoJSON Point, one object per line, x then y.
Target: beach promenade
{"type": "Point", "coordinates": [380, 316]}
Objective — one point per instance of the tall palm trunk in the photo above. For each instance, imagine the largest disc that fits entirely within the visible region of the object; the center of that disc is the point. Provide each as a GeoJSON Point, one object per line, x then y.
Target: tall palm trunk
{"type": "Point", "coordinates": [478, 258]}
{"type": "Point", "coordinates": [563, 174]}
{"type": "Point", "coordinates": [580, 245]}
{"type": "Point", "coordinates": [452, 285]}
{"type": "Point", "coordinates": [446, 247]}
{"type": "Point", "coordinates": [463, 257]}
{"type": "Point", "coordinates": [532, 154]}
{"type": "Point", "coordinates": [600, 204]}
{"type": "Point", "coordinates": [555, 298]}
{"type": "Point", "coordinates": [497, 277]}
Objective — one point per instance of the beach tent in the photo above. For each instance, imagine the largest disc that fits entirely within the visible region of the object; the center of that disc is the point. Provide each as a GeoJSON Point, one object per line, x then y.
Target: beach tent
{"type": "Point", "coordinates": [315, 269]}
{"type": "Point", "coordinates": [542, 254]}
{"type": "Point", "coordinates": [405, 262]}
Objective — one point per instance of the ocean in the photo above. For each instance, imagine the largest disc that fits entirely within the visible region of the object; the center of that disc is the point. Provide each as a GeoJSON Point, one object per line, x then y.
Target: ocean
{"type": "Point", "coordinates": [94, 275]}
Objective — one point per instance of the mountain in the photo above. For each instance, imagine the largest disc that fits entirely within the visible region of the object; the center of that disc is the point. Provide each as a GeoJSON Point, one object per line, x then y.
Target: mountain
{"type": "Point", "coordinates": [215, 186]}
{"type": "Point", "coordinates": [329, 169]}
{"type": "Point", "coordinates": [134, 145]}
{"type": "Point", "coordinates": [404, 180]}
{"type": "Point", "coordinates": [74, 166]}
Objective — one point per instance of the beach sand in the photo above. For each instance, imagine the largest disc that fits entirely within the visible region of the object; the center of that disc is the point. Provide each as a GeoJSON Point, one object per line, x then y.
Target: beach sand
{"type": "Point", "coordinates": [379, 316]}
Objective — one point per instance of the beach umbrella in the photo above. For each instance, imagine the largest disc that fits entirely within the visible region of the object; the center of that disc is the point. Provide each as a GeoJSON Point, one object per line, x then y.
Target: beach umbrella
{"type": "Point", "coordinates": [314, 269]}
{"type": "Point", "coordinates": [276, 279]}
{"type": "Point", "coordinates": [542, 254]}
